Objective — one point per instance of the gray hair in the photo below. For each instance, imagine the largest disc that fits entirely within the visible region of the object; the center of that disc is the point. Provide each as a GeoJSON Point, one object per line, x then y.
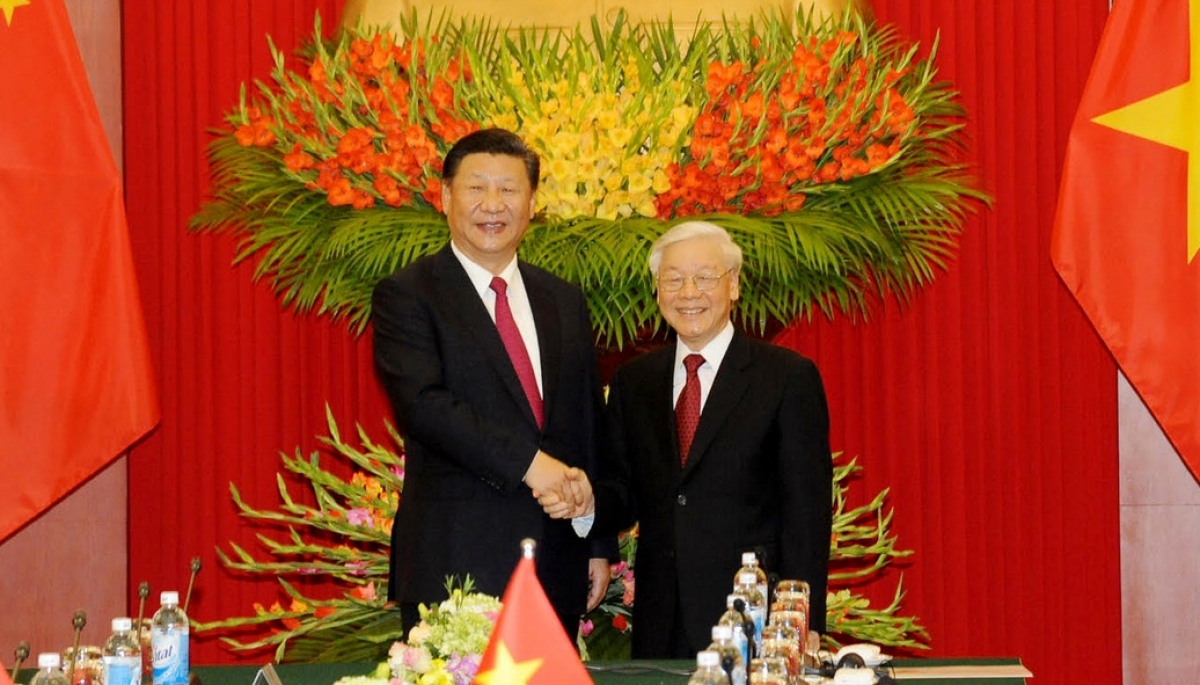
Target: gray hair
{"type": "Point", "coordinates": [696, 229]}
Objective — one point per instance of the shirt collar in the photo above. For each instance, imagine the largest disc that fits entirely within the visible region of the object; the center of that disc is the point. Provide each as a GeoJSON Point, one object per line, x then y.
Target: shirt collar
{"type": "Point", "coordinates": [480, 277]}
{"type": "Point", "coordinates": [713, 352]}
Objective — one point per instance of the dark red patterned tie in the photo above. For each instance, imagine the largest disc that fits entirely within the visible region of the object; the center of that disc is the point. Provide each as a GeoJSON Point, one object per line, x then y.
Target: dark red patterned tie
{"type": "Point", "coordinates": [515, 345]}
{"type": "Point", "coordinates": [687, 408]}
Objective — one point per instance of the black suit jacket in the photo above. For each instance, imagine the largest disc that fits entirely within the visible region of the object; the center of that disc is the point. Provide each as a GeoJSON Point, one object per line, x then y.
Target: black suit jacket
{"type": "Point", "coordinates": [470, 434]}
{"type": "Point", "coordinates": [759, 476]}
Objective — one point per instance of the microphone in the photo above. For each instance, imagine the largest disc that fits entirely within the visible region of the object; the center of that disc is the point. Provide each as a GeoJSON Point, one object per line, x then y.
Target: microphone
{"type": "Point", "coordinates": [78, 621]}
{"type": "Point", "coordinates": [187, 601]}
{"type": "Point", "coordinates": [739, 605]}
{"type": "Point", "coordinates": [143, 593]}
{"type": "Point", "coordinates": [22, 653]}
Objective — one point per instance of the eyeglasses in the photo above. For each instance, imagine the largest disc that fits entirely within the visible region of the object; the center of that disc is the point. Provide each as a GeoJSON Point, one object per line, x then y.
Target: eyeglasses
{"type": "Point", "coordinates": [703, 282]}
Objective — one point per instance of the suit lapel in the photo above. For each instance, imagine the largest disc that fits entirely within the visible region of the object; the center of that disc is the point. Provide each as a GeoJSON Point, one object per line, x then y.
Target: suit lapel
{"type": "Point", "coordinates": [726, 394]}
{"type": "Point", "coordinates": [472, 314]}
{"type": "Point", "coordinates": [549, 333]}
{"type": "Point", "coordinates": [660, 410]}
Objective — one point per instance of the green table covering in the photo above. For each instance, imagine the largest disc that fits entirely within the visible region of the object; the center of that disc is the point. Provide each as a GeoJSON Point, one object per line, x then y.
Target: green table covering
{"type": "Point", "coordinates": [603, 672]}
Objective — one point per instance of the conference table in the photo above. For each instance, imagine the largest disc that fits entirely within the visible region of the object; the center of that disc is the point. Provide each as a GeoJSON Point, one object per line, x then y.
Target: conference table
{"type": "Point", "coordinates": [1006, 671]}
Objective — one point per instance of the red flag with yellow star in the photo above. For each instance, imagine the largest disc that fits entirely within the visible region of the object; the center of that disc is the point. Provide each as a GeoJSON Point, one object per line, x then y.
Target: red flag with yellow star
{"type": "Point", "coordinates": [529, 645]}
{"type": "Point", "coordinates": [4, 679]}
{"type": "Point", "coordinates": [1128, 225]}
{"type": "Point", "coordinates": [76, 385]}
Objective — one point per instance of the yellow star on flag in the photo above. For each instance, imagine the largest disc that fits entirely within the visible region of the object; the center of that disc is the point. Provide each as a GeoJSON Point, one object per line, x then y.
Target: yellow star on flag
{"type": "Point", "coordinates": [10, 6]}
{"type": "Point", "coordinates": [506, 671]}
{"type": "Point", "coordinates": [1172, 118]}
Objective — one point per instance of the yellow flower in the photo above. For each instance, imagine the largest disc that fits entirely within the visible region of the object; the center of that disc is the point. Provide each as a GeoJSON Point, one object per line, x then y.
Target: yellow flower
{"type": "Point", "coordinates": [607, 119]}
{"type": "Point", "coordinates": [661, 184]}
{"type": "Point", "coordinates": [638, 184]}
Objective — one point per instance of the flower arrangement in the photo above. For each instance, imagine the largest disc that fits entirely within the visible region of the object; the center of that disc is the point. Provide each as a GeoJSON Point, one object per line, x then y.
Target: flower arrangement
{"type": "Point", "coordinates": [445, 648]}
{"type": "Point", "coordinates": [448, 643]}
{"type": "Point", "coordinates": [827, 147]}
{"type": "Point", "coordinates": [325, 539]}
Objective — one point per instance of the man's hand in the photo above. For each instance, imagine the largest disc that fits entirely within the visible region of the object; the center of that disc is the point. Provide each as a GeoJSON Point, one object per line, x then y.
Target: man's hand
{"type": "Point", "coordinates": [547, 474]}
{"type": "Point", "coordinates": [574, 499]}
{"type": "Point", "coordinates": [599, 573]}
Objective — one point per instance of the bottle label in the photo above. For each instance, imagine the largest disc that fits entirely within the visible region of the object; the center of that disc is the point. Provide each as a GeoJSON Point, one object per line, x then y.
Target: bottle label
{"type": "Point", "coordinates": [743, 644]}
{"type": "Point", "coordinates": [122, 670]}
{"type": "Point", "coordinates": [170, 660]}
{"type": "Point", "coordinates": [759, 616]}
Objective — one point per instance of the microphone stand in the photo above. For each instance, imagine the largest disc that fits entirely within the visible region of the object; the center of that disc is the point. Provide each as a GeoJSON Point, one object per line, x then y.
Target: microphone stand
{"type": "Point", "coordinates": [79, 620]}
{"type": "Point", "coordinates": [143, 593]}
{"type": "Point", "coordinates": [22, 653]}
{"type": "Point", "coordinates": [187, 601]}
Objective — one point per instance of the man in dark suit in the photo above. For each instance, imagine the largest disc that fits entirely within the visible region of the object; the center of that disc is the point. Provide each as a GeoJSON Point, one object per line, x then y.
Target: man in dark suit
{"type": "Point", "coordinates": [490, 368]}
{"type": "Point", "coordinates": [758, 475]}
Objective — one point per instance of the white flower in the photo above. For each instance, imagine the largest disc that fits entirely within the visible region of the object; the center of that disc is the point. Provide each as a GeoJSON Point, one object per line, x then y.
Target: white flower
{"type": "Point", "coordinates": [419, 633]}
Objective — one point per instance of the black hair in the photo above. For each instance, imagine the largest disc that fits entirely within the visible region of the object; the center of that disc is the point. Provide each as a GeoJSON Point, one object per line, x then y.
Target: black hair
{"type": "Point", "coordinates": [492, 141]}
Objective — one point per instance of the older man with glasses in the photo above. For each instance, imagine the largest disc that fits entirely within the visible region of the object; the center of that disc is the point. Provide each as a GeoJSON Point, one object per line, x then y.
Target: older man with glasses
{"type": "Point", "coordinates": [721, 446]}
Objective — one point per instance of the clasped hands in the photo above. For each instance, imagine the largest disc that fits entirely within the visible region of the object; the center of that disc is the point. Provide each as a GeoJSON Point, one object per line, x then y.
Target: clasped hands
{"type": "Point", "coordinates": [563, 491]}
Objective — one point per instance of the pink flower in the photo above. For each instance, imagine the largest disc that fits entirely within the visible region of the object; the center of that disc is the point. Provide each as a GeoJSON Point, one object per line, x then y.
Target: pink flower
{"type": "Point", "coordinates": [627, 598]}
{"type": "Point", "coordinates": [586, 627]}
{"type": "Point", "coordinates": [359, 517]}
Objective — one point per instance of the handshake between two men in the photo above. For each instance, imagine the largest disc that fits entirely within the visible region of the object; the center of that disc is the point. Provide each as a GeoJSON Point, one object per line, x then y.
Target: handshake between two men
{"type": "Point", "coordinates": [562, 491]}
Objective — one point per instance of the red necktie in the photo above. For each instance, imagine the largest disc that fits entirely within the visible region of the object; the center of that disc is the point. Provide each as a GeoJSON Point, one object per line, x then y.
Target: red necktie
{"type": "Point", "coordinates": [687, 408]}
{"type": "Point", "coordinates": [515, 345]}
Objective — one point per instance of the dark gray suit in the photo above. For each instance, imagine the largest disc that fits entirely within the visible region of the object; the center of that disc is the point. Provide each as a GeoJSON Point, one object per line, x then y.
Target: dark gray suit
{"type": "Point", "coordinates": [470, 434]}
{"type": "Point", "coordinates": [759, 476]}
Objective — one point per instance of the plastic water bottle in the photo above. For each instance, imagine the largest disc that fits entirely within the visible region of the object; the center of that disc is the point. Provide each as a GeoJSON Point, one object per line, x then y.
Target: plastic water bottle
{"type": "Point", "coordinates": [730, 653]}
{"type": "Point", "coordinates": [708, 670]}
{"type": "Point", "coordinates": [122, 655]}
{"type": "Point", "coordinates": [750, 565]}
{"type": "Point", "coordinates": [49, 670]}
{"type": "Point", "coordinates": [756, 605]}
{"type": "Point", "coordinates": [736, 620]}
{"type": "Point", "coordinates": [169, 642]}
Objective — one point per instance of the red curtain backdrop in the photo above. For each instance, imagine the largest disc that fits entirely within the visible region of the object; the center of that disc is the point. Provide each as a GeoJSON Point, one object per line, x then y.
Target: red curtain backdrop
{"type": "Point", "coordinates": [988, 405]}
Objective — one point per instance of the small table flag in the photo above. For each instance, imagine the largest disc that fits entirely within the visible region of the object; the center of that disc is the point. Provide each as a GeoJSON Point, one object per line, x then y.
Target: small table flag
{"type": "Point", "coordinates": [529, 645]}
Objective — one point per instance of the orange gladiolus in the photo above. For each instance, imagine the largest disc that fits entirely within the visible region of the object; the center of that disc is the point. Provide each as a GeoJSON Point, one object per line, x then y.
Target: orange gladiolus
{"type": "Point", "coordinates": [752, 106]}
{"type": "Point", "coordinates": [340, 194]}
{"type": "Point", "coordinates": [322, 612]}
{"type": "Point", "coordinates": [298, 160]}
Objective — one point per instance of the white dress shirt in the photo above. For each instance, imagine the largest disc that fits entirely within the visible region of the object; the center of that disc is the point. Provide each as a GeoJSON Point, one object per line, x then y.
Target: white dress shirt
{"type": "Point", "coordinates": [713, 353]}
{"type": "Point", "coordinates": [518, 302]}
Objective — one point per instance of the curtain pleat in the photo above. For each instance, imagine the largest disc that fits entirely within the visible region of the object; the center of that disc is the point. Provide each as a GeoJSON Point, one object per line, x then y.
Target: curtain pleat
{"type": "Point", "coordinates": [987, 405]}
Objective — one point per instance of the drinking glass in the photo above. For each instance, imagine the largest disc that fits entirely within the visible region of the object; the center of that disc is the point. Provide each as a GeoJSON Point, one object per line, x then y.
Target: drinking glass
{"type": "Point", "coordinates": [769, 670]}
{"type": "Point", "coordinates": [780, 640]}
